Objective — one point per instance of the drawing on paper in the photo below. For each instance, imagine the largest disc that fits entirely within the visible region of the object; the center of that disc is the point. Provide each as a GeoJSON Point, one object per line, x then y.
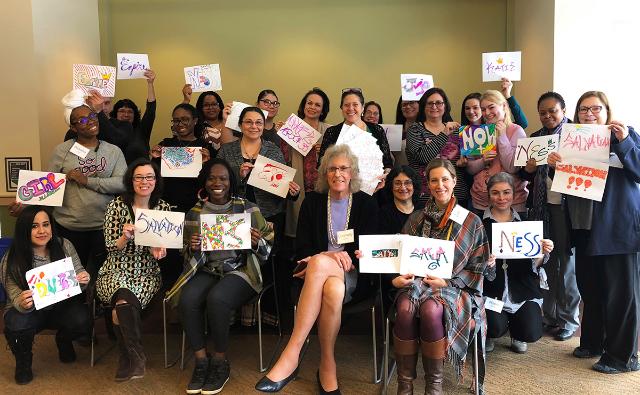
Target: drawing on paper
{"type": "Point", "coordinates": [225, 231]}
{"type": "Point", "coordinates": [41, 188]}
{"type": "Point", "coordinates": [385, 253]}
{"type": "Point", "coordinates": [87, 77]}
{"type": "Point", "coordinates": [415, 85]}
{"type": "Point", "coordinates": [273, 174]}
{"type": "Point", "coordinates": [433, 258]}
{"type": "Point", "coordinates": [299, 134]}
{"type": "Point", "coordinates": [52, 283]}
{"type": "Point", "coordinates": [527, 244]}
{"type": "Point", "coordinates": [477, 139]}
{"type": "Point", "coordinates": [160, 227]}
{"type": "Point", "coordinates": [178, 157]}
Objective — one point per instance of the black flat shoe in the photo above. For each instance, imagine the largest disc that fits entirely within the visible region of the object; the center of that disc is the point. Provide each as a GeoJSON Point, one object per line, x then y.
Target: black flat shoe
{"type": "Point", "coordinates": [266, 385]}
{"type": "Point", "coordinates": [322, 391]}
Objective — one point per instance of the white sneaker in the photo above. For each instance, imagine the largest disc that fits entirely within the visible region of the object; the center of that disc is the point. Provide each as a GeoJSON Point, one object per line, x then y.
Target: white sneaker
{"type": "Point", "coordinates": [518, 346]}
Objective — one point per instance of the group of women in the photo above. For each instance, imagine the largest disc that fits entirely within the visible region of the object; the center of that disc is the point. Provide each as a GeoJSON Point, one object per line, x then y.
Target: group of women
{"type": "Point", "coordinates": [425, 189]}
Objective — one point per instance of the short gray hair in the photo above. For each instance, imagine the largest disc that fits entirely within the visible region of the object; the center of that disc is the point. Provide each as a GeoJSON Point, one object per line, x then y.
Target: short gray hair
{"type": "Point", "coordinates": [322, 185]}
{"type": "Point", "coordinates": [498, 178]}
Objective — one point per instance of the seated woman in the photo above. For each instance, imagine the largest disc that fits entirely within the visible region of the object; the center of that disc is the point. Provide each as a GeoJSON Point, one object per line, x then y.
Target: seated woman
{"type": "Point", "coordinates": [218, 281]}
{"type": "Point", "coordinates": [130, 276]}
{"type": "Point", "coordinates": [402, 186]}
{"type": "Point", "coordinates": [441, 312]}
{"type": "Point", "coordinates": [327, 265]}
{"type": "Point", "coordinates": [518, 283]}
{"type": "Point", "coordinates": [37, 243]}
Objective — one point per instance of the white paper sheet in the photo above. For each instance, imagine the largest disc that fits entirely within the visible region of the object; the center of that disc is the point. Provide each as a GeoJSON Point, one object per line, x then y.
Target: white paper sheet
{"type": "Point", "coordinates": [132, 65]}
{"type": "Point", "coordinates": [517, 240]}
{"type": "Point", "coordinates": [225, 231]}
{"type": "Point", "coordinates": [394, 136]}
{"type": "Point", "coordinates": [498, 65]}
{"type": "Point", "coordinates": [299, 134]}
{"type": "Point", "coordinates": [582, 178]}
{"type": "Point", "coordinates": [156, 228]}
{"type": "Point", "coordinates": [538, 148]}
{"type": "Point", "coordinates": [88, 77]}
{"type": "Point", "coordinates": [233, 119]}
{"type": "Point", "coordinates": [205, 77]}
{"type": "Point", "coordinates": [271, 176]}
{"type": "Point", "coordinates": [41, 187]}
{"type": "Point", "coordinates": [413, 86]}
{"type": "Point", "coordinates": [590, 142]}
{"type": "Point", "coordinates": [421, 256]}
{"type": "Point", "coordinates": [183, 162]}
{"type": "Point", "coordinates": [52, 283]}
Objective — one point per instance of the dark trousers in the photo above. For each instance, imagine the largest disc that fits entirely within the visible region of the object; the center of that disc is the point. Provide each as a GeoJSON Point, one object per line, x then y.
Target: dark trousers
{"type": "Point", "coordinates": [524, 325]}
{"type": "Point", "coordinates": [613, 285]}
{"type": "Point", "coordinates": [71, 317]}
{"type": "Point", "coordinates": [220, 296]}
{"type": "Point", "coordinates": [89, 245]}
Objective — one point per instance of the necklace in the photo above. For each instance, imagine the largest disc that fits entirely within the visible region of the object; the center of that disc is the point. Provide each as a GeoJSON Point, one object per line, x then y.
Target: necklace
{"type": "Point", "coordinates": [333, 239]}
{"type": "Point", "coordinates": [246, 153]}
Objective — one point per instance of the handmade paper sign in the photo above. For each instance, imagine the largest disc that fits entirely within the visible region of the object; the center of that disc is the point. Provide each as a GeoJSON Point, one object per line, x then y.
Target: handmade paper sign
{"type": "Point", "coordinates": [299, 134]}
{"type": "Point", "coordinates": [477, 139]}
{"type": "Point", "coordinates": [233, 119]}
{"type": "Point", "coordinates": [498, 65]}
{"type": "Point", "coordinates": [537, 148]}
{"type": "Point", "coordinates": [53, 283]}
{"type": "Point", "coordinates": [157, 228]}
{"type": "Point", "coordinates": [421, 256]}
{"type": "Point", "coordinates": [202, 78]}
{"type": "Point", "coordinates": [516, 240]}
{"type": "Point", "coordinates": [88, 77]}
{"type": "Point", "coordinates": [365, 148]}
{"type": "Point", "coordinates": [413, 86]}
{"type": "Point", "coordinates": [590, 142]}
{"type": "Point", "coordinates": [132, 65]}
{"type": "Point", "coordinates": [225, 231]}
{"type": "Point", "coordinates": [394, 136]}
{"type": "Point", "coordinates": [271, 176]}
{"type": "Point", "coordinates": [41, 187]}
{"type": "Point", "coordinates": [582, 178]}
{"type": "Point", "coordinates": [380, 253]}
{"type": "Point", "coordinates": [181, 161]}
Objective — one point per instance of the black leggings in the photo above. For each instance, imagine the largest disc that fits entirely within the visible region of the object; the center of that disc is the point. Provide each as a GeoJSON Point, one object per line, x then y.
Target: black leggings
{"type": "Point", "coordinates": [220, 296]}
{"type": "Point", "coordinates": [524, 325]}
{"type": "Point", "coordinates": [89, 245]}
{"type": "Point", "coordinates": [71, 317]}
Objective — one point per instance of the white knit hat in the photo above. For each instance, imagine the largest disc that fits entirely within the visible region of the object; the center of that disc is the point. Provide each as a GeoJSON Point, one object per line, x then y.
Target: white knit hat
{"type": "Point", "coordinates": [70, 101]}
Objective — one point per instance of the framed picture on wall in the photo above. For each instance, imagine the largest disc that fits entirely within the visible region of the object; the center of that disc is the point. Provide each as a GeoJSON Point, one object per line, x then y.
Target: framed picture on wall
{"type": "Point", "coordinates": [12, 167]}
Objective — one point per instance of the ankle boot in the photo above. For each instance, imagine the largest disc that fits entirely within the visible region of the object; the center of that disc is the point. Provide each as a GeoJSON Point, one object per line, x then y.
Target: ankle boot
{"type": "Point", "coordinates": [124, 364]}
{"type": "Point", "coordinates": [433, 354]}
{"type": "Point", "coordinates": [129, 318]}
{"type": "Point", "coordinates": [406, 352]}
{"type": "Point", "coordinates": [20, 344]}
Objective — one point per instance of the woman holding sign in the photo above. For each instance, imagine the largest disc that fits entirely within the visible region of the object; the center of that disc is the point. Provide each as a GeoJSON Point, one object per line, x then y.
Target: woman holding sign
{"type": "Point", "coordinates": [441, 316]}
{"type": "Point", "coordinates": [330, 221]}
{"type": "Point", "coordinates": [607, 243]}
{"type": "Point", "coordinates": [496, 111]}
{"type": "Point", "coordinates": [36, 243]}
{"type": "Point", "coordinates": [268, 101]}
{"type": "Point", "coordinates": [434, 135]}
{"type": "Point", "coordinates": [130, 276]}
{"type": "Point", "coordinates": [217, 282]}
{"type": "Point", "coordinates": [517, 285]}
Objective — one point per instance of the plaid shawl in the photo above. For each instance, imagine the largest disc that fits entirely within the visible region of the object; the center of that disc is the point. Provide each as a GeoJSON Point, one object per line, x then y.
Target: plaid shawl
{"type": "Point", "coordinates": [462, 298]}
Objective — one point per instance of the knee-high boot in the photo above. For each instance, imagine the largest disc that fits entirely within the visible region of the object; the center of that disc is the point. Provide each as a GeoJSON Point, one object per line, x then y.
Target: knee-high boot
{"type": "Point", "coordinates": [124, 364]}
{"type": "Point", "coordinates": [130, 323]}
{"type": "Point", "coordinates": [406, 352]}
{"type": "Point", "coordinates": [433, 354]}
{"type": "Point", "coordinates": [20, 344]}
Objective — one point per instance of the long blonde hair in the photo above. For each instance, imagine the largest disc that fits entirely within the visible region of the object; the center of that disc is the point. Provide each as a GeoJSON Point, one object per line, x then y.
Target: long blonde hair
{"type": "Point", "coordinates": [498, 98]}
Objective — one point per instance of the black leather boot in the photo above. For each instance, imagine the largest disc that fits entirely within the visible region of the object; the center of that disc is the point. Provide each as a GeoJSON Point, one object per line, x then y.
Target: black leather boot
{"type": "Point", "coordinates": [20, 344]}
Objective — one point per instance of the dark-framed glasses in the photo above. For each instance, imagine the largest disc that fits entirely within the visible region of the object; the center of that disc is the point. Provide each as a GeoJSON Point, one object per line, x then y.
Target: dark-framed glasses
{"type": "Point", "coordinates": [85, 120]}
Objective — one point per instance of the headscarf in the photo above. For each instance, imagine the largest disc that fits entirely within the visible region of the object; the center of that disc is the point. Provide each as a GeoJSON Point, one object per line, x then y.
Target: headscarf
{"type": "Point", "coordinates": [71, 101]}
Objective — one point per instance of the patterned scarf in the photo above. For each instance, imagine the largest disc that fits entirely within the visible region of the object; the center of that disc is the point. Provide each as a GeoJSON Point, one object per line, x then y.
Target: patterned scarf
{"type": "Point", "coordinates": [539, 210]}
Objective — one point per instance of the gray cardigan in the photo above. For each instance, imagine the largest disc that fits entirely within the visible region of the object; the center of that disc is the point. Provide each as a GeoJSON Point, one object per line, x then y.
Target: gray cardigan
{"type": "Point", "coordinates": [268, 203]}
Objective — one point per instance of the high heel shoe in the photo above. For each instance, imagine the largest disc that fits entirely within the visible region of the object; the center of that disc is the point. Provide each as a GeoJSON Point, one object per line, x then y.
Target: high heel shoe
{"type": "Point", "coordinates": [322, 391]}
{"type": "Point", "coordinates": [267, 385]}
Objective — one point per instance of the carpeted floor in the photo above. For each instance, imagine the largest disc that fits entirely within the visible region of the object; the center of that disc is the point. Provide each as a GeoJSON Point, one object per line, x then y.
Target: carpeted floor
{"type": "Point", "coordinates": [548, 368]}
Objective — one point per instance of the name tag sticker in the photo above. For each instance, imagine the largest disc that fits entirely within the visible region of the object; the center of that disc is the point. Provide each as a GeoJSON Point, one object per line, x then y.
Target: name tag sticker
{"type": "Point", "coordinates": [79, 150]}
{"type": "Point", "coordinates": [493, 304]}
{"type": "Point", "coordinates": [458, 214]}
{"type": "Point", "coordinates": [345, 236]}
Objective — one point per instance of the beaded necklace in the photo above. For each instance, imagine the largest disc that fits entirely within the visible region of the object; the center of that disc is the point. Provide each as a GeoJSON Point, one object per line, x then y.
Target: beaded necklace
{"type": "Point", "coordinates": [333, 238]}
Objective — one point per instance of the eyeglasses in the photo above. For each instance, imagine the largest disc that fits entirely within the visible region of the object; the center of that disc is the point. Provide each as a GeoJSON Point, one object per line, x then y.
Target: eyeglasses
{"type": "Point", "coordinates": [85, 120]}
{"type": "Point", "coordinates": [177, 121]}
{"type": "Point", "coordinates": [435, 104]}
{"type": "Point", "coordinates": [210, 105]}
{"type": "Point", "coordinates": [593, 109]}
{"type": "Point", "coordinates": [551, 112]}
{"type": "Point", "coordinates": [141, 178]}
{"type": "Point", "coordinates": [400, 184]}
{"type": "Point", "coordinates": [408, 103]}
{"type": "Point", "coordinates": [270, 103]}
{"type": "Point", "coordinates": [249, 122]}
{"type": "Point", "coordinates": [351, 90]}
{"type": "Point", "coordinates": [342, 169]}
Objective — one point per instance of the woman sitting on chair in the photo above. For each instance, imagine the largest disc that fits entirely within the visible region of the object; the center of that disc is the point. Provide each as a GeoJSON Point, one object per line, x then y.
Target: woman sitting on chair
{"type": "Point", "coordinates": [218, 281]}
{"type": "Point", "coordinates": [36, 243]}
{"type": "Point", "coordinates": [329, 224]}
{"type": "Point", "coordinates": [441, 312]}
{"type": "Point", "coordinates": [130, 276]}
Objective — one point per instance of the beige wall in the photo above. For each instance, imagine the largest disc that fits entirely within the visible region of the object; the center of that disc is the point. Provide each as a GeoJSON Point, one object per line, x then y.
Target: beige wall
{"type": "Point", "coordinates": [65, 32]}
{"type": "Point", "coordinates": [531, 28]}
{"type": "Point", "coordinates": [18, 110]}
{"type": "Point", "coordinates": [293, 46]}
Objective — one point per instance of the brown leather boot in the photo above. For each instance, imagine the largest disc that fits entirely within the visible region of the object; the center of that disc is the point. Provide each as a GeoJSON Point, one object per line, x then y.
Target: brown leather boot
{"type": "Point", "coordinates": [406, 352]}
{"type": "Point", "coordinates": [123, 373]}
{"type": "Point", "coordinates": [129, 317]}
{"type": "Point", "coordinates": [433, 354]}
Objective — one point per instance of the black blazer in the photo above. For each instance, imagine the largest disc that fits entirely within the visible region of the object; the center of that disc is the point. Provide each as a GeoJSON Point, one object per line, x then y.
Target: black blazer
{"type": "Point", "coordinates": [331, 136]}
{"type": "Point", "coordinates": [524, 283]}
{"type": "Point", "coordinates": [311, 235]}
